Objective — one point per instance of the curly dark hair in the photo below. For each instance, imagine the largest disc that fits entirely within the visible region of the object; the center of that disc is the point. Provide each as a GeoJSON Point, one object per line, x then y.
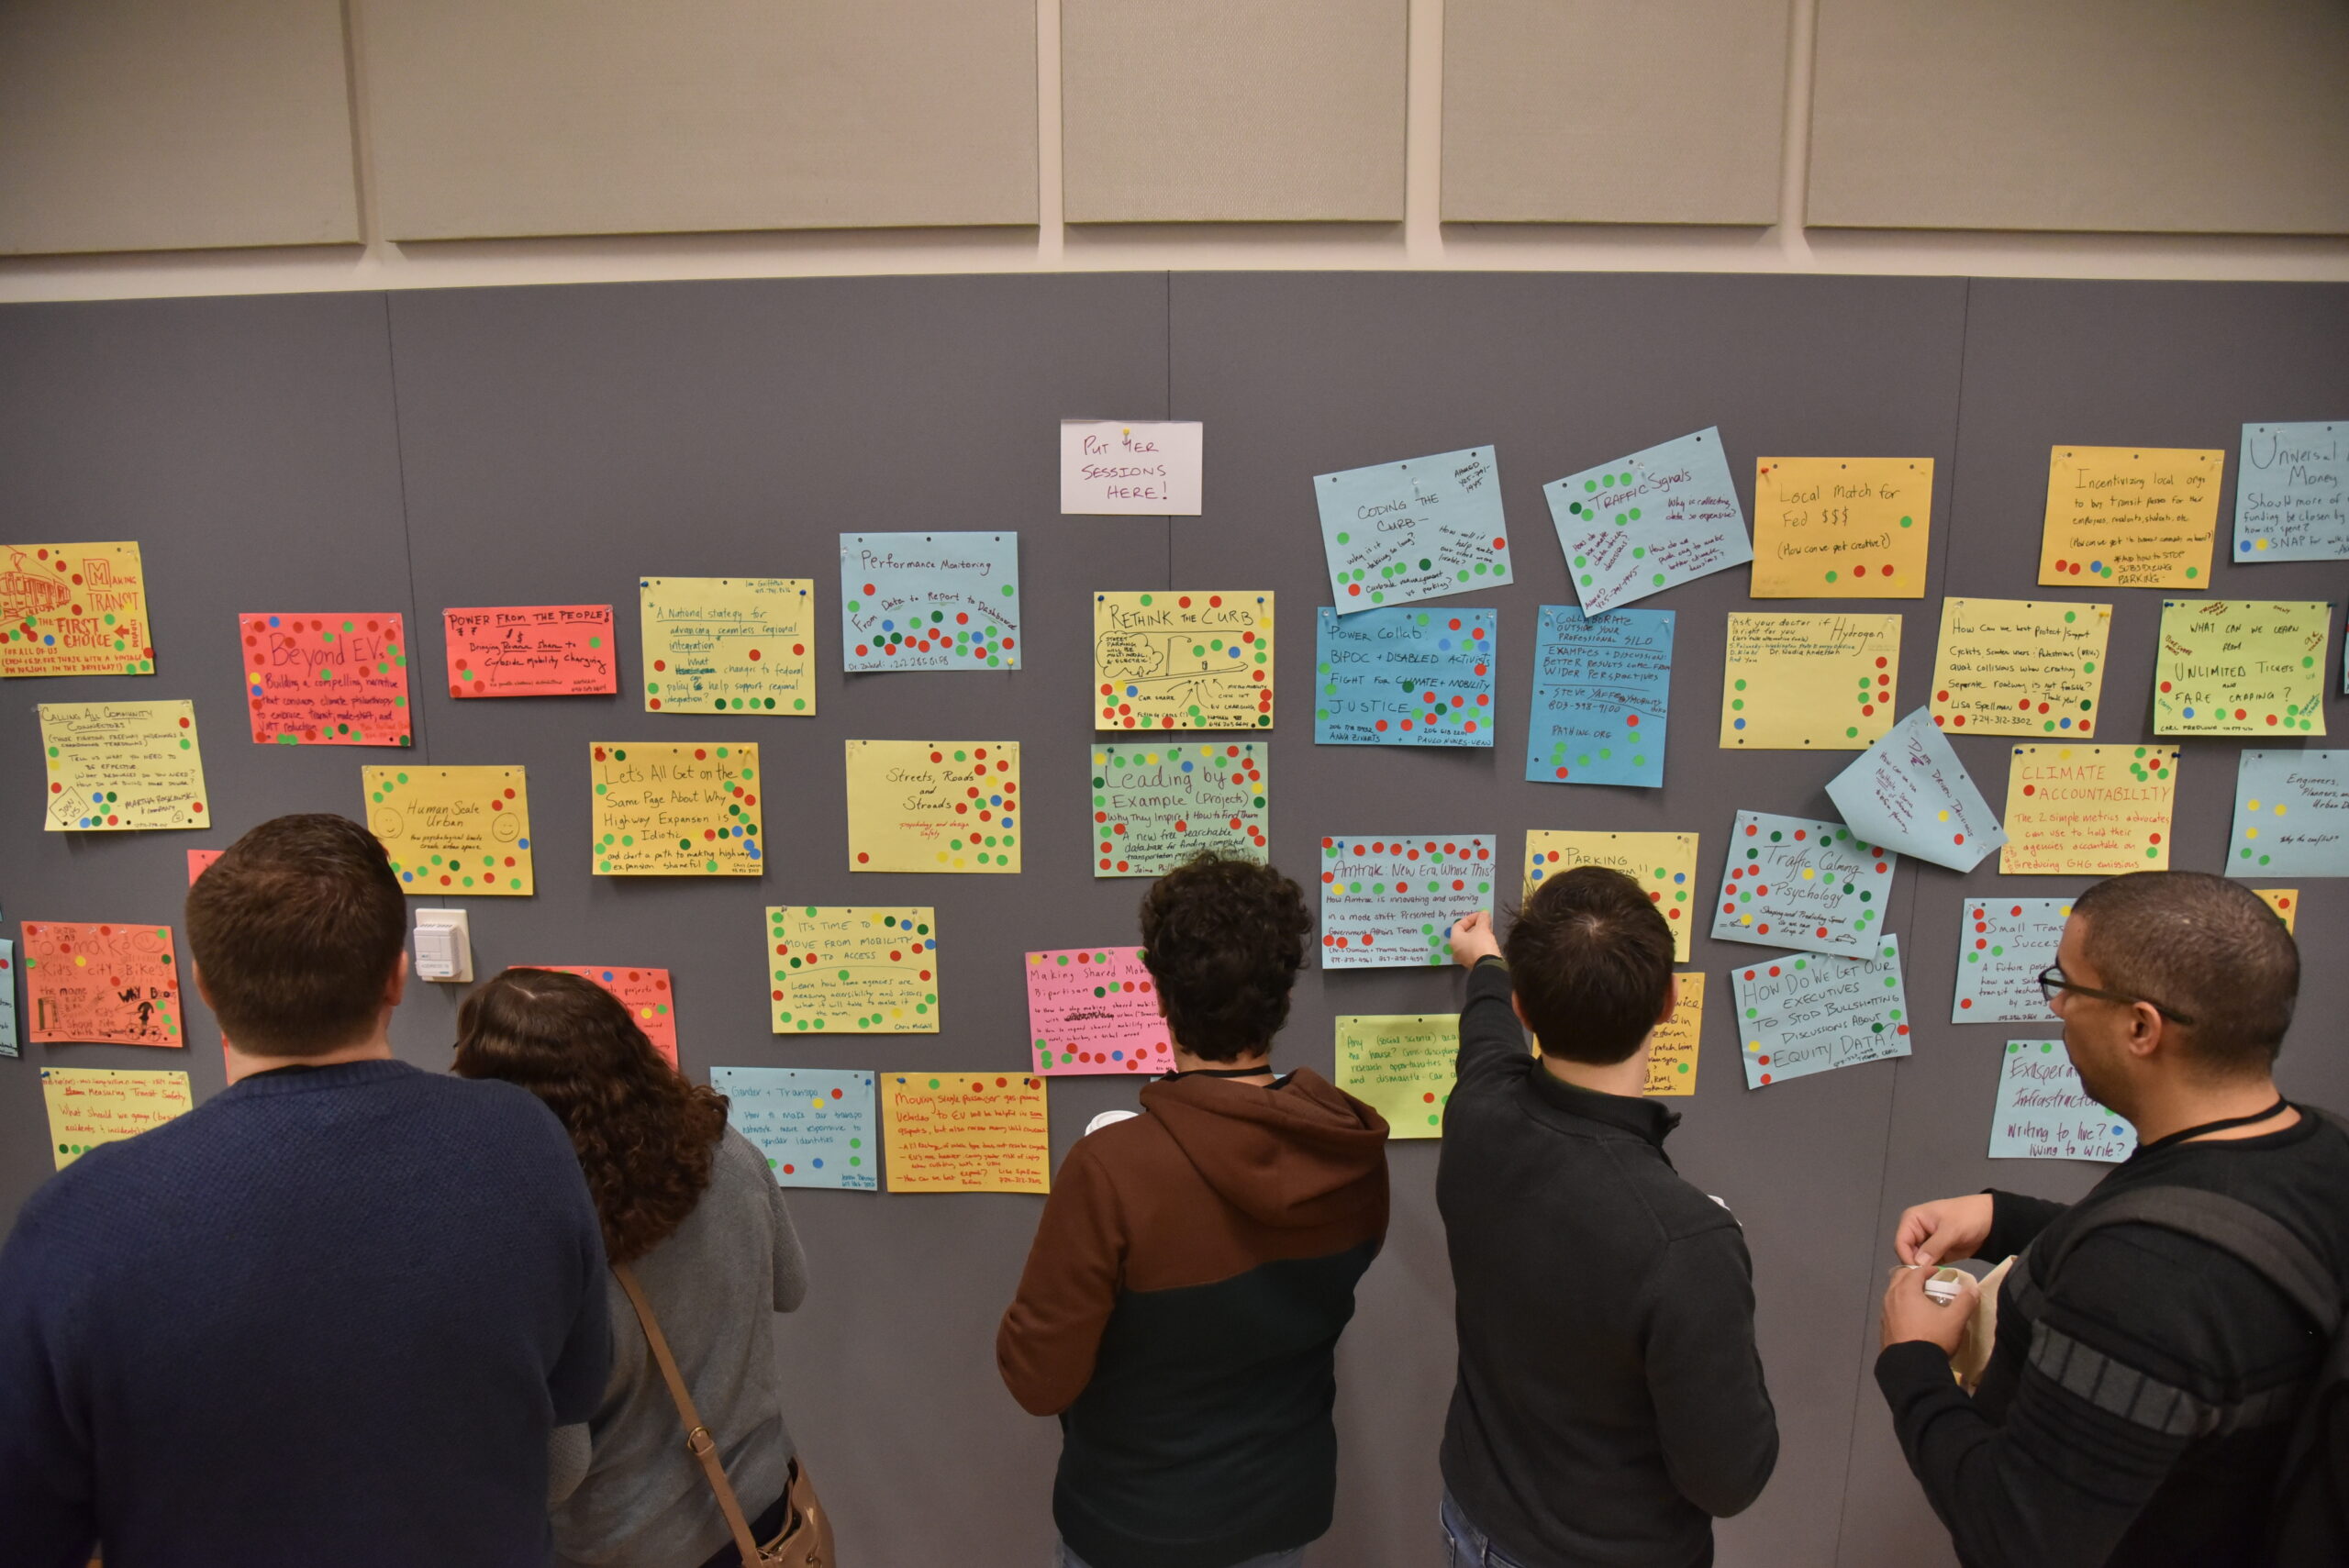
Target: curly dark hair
{"type": "Point", "coordinates": [1224, 938]}
{"type": "Point", "coordinates": [645, 1136]}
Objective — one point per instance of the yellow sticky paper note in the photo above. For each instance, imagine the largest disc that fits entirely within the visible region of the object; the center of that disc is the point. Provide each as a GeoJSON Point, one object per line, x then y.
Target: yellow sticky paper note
{"type": "Point", "coordinates": [1401, 1067]}
{"type": "Point", "coordinates": [90, 1106]}
{"type": "Point", "coordinates": [2020, 667]}
{"type": "Point", "coordinates": [677, 810]}
{"type": "Point", "coordinates": [1170, 660]}
{"type": "Point", "coordinates": [453, 829]}
{"type": "Point", "coordinates": [852, 969]}
{"type": "Point", "coordinates": [728, 645]}
{"type": "Point", "coordinates": [1791, 681]}
{"type": "Point", "coordinates": [121, 765]}
{"type": "Point", "coordinates": [2129, 517]}
{"type": "Point", "coordinates": [1841, 527]}
{"type": "Point", "coordinates": [2088, 810]}
{"type": "Point", "coordinates": [965, 1132]}
{"type": "Point", "coordinates": [933, 806]}
{"type": "Point", "coordinates": [2286, 902]}
{"type": "Point", "coordinates": [2241, 667]}
{"type": "Point", "coordinates": [1672, 1056]}
{"type": "Point", "coordinates": [1664, 864]}
{"type": "Point", "coordinates": [74, 609]}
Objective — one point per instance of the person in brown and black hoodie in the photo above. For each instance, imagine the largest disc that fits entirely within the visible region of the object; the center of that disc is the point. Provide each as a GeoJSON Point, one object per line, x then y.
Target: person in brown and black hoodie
{"type": "Point", "coordinates": [1196, 1263]}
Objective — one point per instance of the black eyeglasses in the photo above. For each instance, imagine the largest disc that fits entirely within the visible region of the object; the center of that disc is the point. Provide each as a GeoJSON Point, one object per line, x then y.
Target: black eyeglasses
{"type": "Point", "coordinates": [2051, 980]}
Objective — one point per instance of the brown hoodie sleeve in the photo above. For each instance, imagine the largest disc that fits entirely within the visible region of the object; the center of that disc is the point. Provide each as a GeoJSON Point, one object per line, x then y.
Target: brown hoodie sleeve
{"type": "Point", "coordinates": [1050, 1336]}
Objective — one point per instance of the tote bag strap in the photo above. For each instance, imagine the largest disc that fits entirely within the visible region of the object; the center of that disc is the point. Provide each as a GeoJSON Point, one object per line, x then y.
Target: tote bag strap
{"type": "Point", "coordinates": [698, 1442]}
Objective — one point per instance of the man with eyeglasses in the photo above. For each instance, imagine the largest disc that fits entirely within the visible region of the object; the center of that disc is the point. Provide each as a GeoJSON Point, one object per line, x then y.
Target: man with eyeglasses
{"type": "Point", "coordinates": [2137, 1403]}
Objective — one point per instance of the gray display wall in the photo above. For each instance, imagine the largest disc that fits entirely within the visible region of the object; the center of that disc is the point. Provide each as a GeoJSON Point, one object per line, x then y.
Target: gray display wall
{"type": "Point", "coordinates": [423, 450]}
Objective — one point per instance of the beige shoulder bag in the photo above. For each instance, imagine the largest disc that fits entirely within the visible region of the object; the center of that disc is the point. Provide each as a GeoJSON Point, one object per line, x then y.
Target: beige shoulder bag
{"type": "Point", "coordinates": [806, 1539]}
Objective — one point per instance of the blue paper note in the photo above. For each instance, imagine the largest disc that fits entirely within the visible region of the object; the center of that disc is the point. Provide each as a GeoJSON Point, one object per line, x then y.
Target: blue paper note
{"type": "Point", "coordinates": [2004, 944]}
{"type": "Point", "coordinates": [2291, 815]}
{"type": "Point", "coordinates": [1909, 791]}
{"type": "Point", "coordinates": [1404, 678]}
{"type": "Point", "coordinates": [929, 601]}
{"type": "Point", "coordinates": [1808, 1013]}
{"type": "Point", "coordinates": [2292, 492]}
{"type": "Point", "coordinates": [1643, 523]}
{"type": "Point", "coordinates": [2045, 1113]}
{"type": "Point", "coordinates": [1602, 689]}
{"type": "Point", "coordinates": [1400, 532]}
{"type": "Point", "coordinates": [1389, 902]}
{"type": "Point", "coordinates": [8, 997]}
{"type": "Point", "coordinates": [1794, 883]}
{"type": "Point", "coordinates": [815, 1125]}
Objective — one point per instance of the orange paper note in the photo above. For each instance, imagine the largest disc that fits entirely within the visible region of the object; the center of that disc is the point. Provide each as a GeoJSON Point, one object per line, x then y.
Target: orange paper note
{"type": "Point", "coordinates": [327, 680]}
{"type": "Point", "coordinates": [645, 992]}
{"type": "Point", "coordinates": [965, 1132]}
{"type": "Point", "coordinates": [1842, 528]}
{"type": "Point", "coordinates": [74, 609]}
{"type": "Point", "coordinates": [102, 984]}
{"type": "Point", "coordinates": [530, 650]}
{"type": "Point", "coordinates": [2088, 810]}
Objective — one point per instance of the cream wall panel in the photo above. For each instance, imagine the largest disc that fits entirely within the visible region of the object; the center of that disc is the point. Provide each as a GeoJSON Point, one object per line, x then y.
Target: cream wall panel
{"type": "Point", "coordinates": [2212, 117]}
{"type": "Point", "coordinates": [165, 125]}
{"type": "Point", "coordinates": [1613, 111]}
{"type": "Point", "coordinates": [1233, 110]}
{"type": "Point", "coordinates": [509, 117]}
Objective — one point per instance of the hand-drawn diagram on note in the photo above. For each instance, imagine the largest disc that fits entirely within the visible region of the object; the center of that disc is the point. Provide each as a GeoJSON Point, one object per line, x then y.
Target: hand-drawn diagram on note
{"type": "Point", "coordinates": [1797, 681]}
{"type": "Point", "coordinates": [1664, 864]}
{"type": "Point", "coordinates": [2286, 902]}
{"type": "Point", "coordinates": [101, 984]}
{"type": "Point", "coordinates": [2045, 1113]}
{"type": "Point", "coordinates": [1096, 1010]}
{"type": "Point", "coordinates": [74, 609]}
{"type": "Point", "coordinates": [2291, 815]}
{"type": "Point", "coordinates": [1645, 522]}
{"type": "Point", "coordinates": [1909, 792]}
{"type": "Point", "coordinates": [1794, 883]}
{"type": "Point", "coordinates": [1404, 678]}
{"type": "Point", "coordinates": [815, 1125]}
{"type": "Point", "coordinates": [90, 1106]}
{"type": "Point", "coordinates": [1156, 805]}
{"type": "Point", "coordinates": [1176, 661]}
{"type": "Point", "coordinates": [1808, 1013]}
{"type": "Point", "coordinates": [114, 766]}
{"type": "Point", "coordinates": [665, 809]}
{"type": "Point", "coordinates": [929, 601]}
{"type": "Point", "coordinates": [1842, 528]}
{"type": "Point", "coordinates": [1390, 902]}
{"type": "Point", "coordinates": [2020, 666]}
{"type": "Point", "coordinates": [9, 1039]}
{"type": "Point", "coordinates": [1138, 468]}
{"type": "Point", "coordinates": [965, 1132]}
{"type": "Point", "coordinates": [531, 650]}
{"type": "Point", "coordinates": [2292, 492]}
{"type": "Point", "coordinates": [852, 969]}
{"type": "Point", "coordinates": [2241, 667]}
{"type": "Point", "coordinates": [327, 680]}
{"type": "Point", "coordinates": [729, 644]}
{"type": "Point", "coordinates": [1400, 1065]}
{"type": "Point", "coordinates": [453, 829]}
{"type": "Point", "coordinates": [1602, 695]}
{"type": "Point", "coordinates": [2088, 810]}
{"type": "Point", "coordinates": [645, 994]}
{"type": "Point", "coordinates": [2005, 943]}
{"type": "Point", "coordinates": [2129, 517]}
{"type": "Point", "coordinates": [1672, 1050]}
{"type": "Point", "coordinates": [1398, 532]}
{"type": "Point", "coordinates": [946, 805]}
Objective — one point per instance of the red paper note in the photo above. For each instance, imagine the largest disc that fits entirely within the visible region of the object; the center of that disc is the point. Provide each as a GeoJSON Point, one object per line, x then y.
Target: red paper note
{"type": "Point", "coordinates": [531, 650]}
{"type": "Point", "coordinates": [327, 680]}
{"type": "Point", "coordinates": [646, 994]}
{"type": "Point", "coordinates": [102, 984]}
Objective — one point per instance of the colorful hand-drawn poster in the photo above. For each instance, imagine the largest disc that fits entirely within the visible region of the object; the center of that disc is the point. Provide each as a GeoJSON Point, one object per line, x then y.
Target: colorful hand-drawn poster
{"type": "Point", "coordinates": [1096, 1010]}
{"type": "Point", "coordinates": [645, 993]}
{"type": "Point", "coordinates": [965, 1132]}
{"type": "Point", "coordinates": [453, 829]}
{"type": "Point", "coordinates": [74, 609]}
{"type": "Point", "coordinates": [1156, 805]}
{"type": "Point", "coordinates": [1842, 528]}
{"type": "Point", "coordinates": [1909, 792]}
{"type": "Point", "coordinates": [1131, 468]}
{"type": "Point", "coordinates": [1794, 682]}
{"type": "Point", "coordinates": [90, 1106]}
{"type": "Point", "coordinates": [2045, 1113]}
{"type": "Point", "coordinates": [1400, 1065]}
{"type": "Point", "coordinates": [101, 984]}
{"type": "Point", "coordinates": [1390, 902]}
{"type": "Point", "coordinates": [1645, 522]}
{"type": "Point", "coordinates": [1396, 533]}
{"type": "Point", "coordinates": [2088, 810]}
{"type": "Point", "coordinates": [852, 969]}
{"type": "Point", "coordinates": [117, 766]}
{"type": "Point", "coordinates": [327, 680]}
{"type": "Point", "coordinates": [728, 645]}
{"type": "Point", "coordinates": [1602, 695]}
{"type": "Point", "coordinates": [945, 806]}
{"type": "Point", "coordinates": [1808, 1013]}
{"type": "Point", "coordinates": [663, 809]}
{"type": "Point", "coordinates": [531, 650]}
{"type": "Point", "coordinates": [929, 601]}
{"type": "Point", "coordinates": [2286, 902]}
{"type": "Point", "coordinates": [1404, 678]}
{"type": "Point", "coordinates": [2292, 492]}
{"type": "Point", "coordinates": [1672, 1050]}
{"type": "Point", "coordinates": [815, 1125]}
{"type": "Point", "coordinates": [2241, 667]}
{"type": "Point", "coordinates": [2005, 945]}
{"type": "Point", "coordinates": [1664, 864]}
{"type": "Point", "coordinates": [2129, 517]}
{"type": "Point", "coordinates": [1792, 881]}
{"type": "Point", "coordinates": [1174, 660]}
{"type": "Point", "coordinates": [8, 1044]}
{"type": "Point", "coordinates": [2291, 815]}
{"type": "Point", "coordinates": [2020, 666]}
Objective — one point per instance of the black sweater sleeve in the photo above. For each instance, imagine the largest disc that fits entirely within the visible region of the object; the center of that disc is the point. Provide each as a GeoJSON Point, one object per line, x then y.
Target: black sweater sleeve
{"type": "Point", "coordinates": [2016, 1220]}
{"type": "Point", "coordinates": [1715, 1424]}
{"type": "Point", "coordinates": [1492, 1042]}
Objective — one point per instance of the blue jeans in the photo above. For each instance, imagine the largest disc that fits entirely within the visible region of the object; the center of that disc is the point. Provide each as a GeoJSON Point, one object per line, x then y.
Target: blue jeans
{"type": "Point", "coordinates": [1293, 1558]}
{"type": "Point", "coordinates": [1465, 1546]}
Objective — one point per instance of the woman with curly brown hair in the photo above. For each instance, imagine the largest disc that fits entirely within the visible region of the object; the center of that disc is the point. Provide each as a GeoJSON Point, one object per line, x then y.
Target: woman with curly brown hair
{"type": "Point", "coordinates": [689, 1206]}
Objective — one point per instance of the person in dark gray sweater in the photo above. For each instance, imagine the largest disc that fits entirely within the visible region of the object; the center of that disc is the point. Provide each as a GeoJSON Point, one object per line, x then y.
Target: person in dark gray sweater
{"type": "Point", "coordinates": [1610, 1403]}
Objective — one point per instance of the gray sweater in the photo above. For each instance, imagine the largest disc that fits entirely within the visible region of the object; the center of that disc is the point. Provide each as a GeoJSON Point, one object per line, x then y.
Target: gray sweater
{"type": "Point", "coordinates": [622, 1490]}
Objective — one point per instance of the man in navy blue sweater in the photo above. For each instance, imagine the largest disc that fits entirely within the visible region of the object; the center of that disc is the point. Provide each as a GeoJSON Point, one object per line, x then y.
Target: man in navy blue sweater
{"type": "Point", "coordinates": [328, 1316]}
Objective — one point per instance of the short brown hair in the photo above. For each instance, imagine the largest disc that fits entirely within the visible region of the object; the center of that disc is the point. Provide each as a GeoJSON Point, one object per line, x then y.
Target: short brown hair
{"type": "Point", "coordinates": [1590, 957]}
{"type": "Point", "coordinates": [1223, 938]}
{"type": "Point", "coordinates": [646, 1137]}
{"type": "Point", "coordinates": [2202, 946]}
{"type": "Point", "coordinates": [296, 930]}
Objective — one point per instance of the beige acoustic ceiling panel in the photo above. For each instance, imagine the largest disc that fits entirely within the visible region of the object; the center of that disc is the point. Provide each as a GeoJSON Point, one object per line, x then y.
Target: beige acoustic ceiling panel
{"type": "Point", "coordinates": [169, 125]}
{"type": "Point", "coordinates": [2209, 117]}
{"type": "Point", "coordinates": [1239, 111]}
{"type": "Point", "coordinates": [1613, 111]}
{"type": "Point", "coordinates": [504, 118]}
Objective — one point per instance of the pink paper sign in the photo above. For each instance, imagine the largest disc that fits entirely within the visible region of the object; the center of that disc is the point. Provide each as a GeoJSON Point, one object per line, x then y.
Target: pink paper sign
{"type": "Point", "coordinates": [327, 680]}
{"type": "Point", "coordinates": [531, 650]}
{"type": "Point", "coordinates": [646, 994]}
{"type": "Point", "coordinates": [101, 984]}
{"type": "Point", "coordinates": [1094, 1011]}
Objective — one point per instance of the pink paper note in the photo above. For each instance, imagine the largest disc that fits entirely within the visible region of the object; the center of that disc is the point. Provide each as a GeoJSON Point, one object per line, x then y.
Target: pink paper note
{"type": "Point", "coordinates": [646, 994]}
{"type": "Point", "coordinates": [531, 650]}
{"type": "Point", "coordinates": [327, 680]}
{"type": "Point", "coordinates": [1094, 1011]}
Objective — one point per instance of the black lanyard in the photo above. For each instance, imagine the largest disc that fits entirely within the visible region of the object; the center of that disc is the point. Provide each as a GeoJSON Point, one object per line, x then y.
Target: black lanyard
{"type": "Point", "coordinates": [1226, 1072]}
{"type": "Point", "coordinates": [2180, 1137]}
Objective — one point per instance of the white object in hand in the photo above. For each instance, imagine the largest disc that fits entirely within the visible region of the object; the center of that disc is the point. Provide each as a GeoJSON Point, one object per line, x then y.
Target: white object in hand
{"type": "Point", "coordinates": [1942, 1286]}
